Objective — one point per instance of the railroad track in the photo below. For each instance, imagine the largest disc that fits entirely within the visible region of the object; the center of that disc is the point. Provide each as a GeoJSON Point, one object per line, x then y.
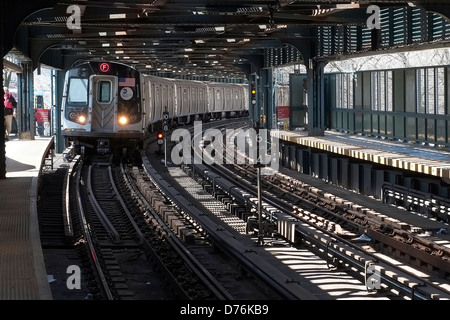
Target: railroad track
{"type": "Point", "coordinates": [348, 219]}
{"type": "Point", "coordinates": [117, 239]}
{"type": "Point", "coordinates": [311, 206]}
{"type": "Point", "coordinates": [115, 225]}
{"type": "Point", "coordinates": [219, 229]}
{"type": "Point", "coordinates": [157, 226]}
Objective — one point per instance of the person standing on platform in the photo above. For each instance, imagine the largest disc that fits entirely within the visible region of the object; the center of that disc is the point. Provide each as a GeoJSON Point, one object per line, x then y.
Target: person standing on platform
{"type": "Point", "coordinates": [10, 109]}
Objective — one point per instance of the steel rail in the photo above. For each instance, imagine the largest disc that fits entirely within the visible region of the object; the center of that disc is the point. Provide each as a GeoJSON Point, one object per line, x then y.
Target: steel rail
{"type": "Point", "coordinates": [113, 233]}
{"type": "Point", "coordinates": [89, 242]}
{"type": "Point", "coordinates": [336, 250]}
{"type": "Point", "coordinates": [194, 265]}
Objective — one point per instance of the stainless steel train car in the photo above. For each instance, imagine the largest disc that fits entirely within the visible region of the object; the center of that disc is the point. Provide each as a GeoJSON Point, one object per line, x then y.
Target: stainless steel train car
{"type": "Point", "coordinates": [110, 107]}
{"type": "Point", "coordinates": [188, 100]}
{"type": "Point", "coordinates": [226, 100]}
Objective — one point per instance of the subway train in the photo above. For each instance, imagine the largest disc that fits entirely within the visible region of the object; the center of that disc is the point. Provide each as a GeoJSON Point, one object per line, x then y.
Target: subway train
{"type": "Point", "coordinates": [186, 101]}
{"type": "Point", "coordinates": [109, 107]}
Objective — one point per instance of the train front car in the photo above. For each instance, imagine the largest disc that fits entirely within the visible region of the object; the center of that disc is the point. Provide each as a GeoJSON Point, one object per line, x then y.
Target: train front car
{"type": "Point", "coordinates": [102, 110]}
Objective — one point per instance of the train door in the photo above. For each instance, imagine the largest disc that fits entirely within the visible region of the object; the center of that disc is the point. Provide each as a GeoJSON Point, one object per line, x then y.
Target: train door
{"type": "Point", "coordinates": [211, 101]}
{"type": "Point", "coordinates": [157, 105]}
{"type": "Point", "coordinates": [218, 103]}
{"type": "Point", "coordinates": [184, 103]}
{"type": "Point", "coordinates": [193, 111]}
{"type": "Point", "coordinates": [202, 108]}
{"type": "Point", "coordinates": [104, 103]}
{"type": "Point", "coordinates": [165, 98]}
{"type": "Point", "coordinates": [171, 102]}
{"type": "Point", "coordinates": [237, 99]}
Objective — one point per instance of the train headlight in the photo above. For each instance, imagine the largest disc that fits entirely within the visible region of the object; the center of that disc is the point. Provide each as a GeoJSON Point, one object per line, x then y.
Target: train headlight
{"type": "Point", "coordinates": [82, 119]}
{"type": "Point", "coordinates": [123, 120]}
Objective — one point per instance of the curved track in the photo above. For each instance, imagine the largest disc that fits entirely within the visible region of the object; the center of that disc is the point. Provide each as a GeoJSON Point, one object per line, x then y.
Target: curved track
{"type": "Point", "coordinates": [414, 283]}
{"type": "Point", "coordinates": [194, 231]}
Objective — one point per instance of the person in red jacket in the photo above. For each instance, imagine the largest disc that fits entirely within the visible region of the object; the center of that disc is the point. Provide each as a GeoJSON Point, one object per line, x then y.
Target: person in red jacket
{"type": "Point", "coordinates": [10, 109]}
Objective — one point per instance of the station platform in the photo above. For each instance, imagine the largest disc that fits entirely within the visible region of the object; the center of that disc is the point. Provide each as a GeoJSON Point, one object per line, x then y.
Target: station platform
{"type": "Point", "coordinates": [413, 177]}
{"type": "Point", "coordinates": [22, 269]}
{"type": "Point", "coordinates": [417, 158]}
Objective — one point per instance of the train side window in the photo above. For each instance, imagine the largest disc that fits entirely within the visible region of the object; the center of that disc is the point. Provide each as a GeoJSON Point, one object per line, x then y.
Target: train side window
{"type": "Point", "coordinates": [78, 91]}
{"type": "Point", "coordinates": [104, 91]}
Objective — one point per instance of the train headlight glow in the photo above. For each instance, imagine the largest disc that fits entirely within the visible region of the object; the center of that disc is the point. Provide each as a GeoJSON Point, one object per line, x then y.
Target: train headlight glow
{"type": "Point", "coordinates": [123, 120]}
{"type": "Point", "coordinates": [82, 119]}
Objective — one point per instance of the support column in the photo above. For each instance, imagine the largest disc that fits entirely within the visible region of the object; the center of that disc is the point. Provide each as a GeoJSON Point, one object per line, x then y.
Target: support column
{"type": "Point", "coordinates": [22, 115]}
{"type": "Point", "coordinates": [263, 98]}
{"type": "Point", "coordinates": [269, 101]}
{"type": "Point", "coordinates": [254, 79]}
{"type": "Point", "coordinates": [59, 87]}
{"type": "Point", "coordinates": [25, 94]}
{"type": "Point", "coordinates": [316, 98]}
{"type": "Point", "coordinates": [254, 98]}
{"type": "Point", "coordinates": [2, 128]}
{"type": "Point", "coordinates": [261, 111]}
{"type": "Point", "coordinates": [30, 101]}
{"type": "Point", "coordinates": [2, 109]}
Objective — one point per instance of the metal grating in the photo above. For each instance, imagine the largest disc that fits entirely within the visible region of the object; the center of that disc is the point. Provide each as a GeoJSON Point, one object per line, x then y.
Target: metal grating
{"type": "Point", "coordinates": [400, 27]}
{"type": "Point", "coordinates": [183, 34]}
{"type": "Point", "coordinates": [274, 57]}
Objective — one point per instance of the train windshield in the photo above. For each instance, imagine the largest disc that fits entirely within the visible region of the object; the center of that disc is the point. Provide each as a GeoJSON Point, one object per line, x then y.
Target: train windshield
{"type": "Point", "coordinates": [104, 91]}
{"type": "Point", "coordinates": [78, 91]}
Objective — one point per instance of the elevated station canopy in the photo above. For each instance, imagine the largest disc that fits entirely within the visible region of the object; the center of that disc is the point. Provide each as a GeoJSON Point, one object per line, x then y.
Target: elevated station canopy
{"type": "Point", "coordinates": [226, 40]}
{"type": "Point", "coordinates": [213, 38]}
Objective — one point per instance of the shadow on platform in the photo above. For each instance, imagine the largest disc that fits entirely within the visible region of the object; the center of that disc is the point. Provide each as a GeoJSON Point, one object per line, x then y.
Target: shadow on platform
{"type": "Point", "coordinates": [16, 166]}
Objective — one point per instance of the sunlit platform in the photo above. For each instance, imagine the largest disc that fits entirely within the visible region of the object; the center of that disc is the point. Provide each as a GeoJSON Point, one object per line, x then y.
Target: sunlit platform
{"type": "Point", "coordinates": [414, 157]}
{"type": "Point", "coordinates": [22, 269]}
